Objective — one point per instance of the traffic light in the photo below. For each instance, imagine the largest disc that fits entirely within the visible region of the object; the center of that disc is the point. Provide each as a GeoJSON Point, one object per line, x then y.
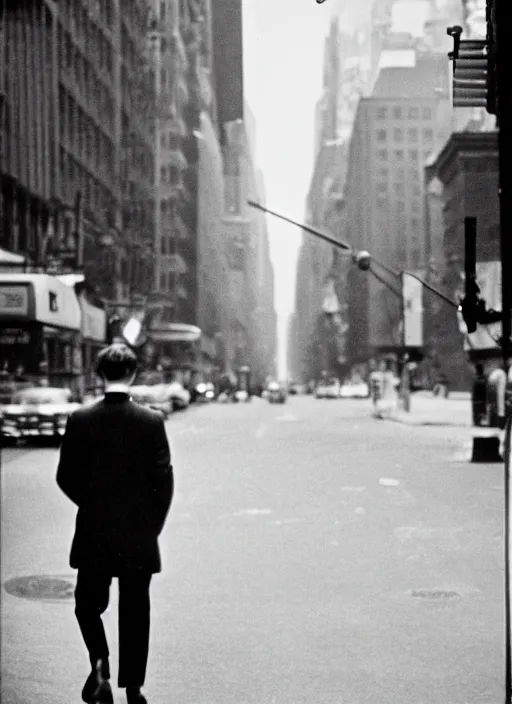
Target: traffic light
{"type": "Point", "coordinates": [363, 260]}
{"type": "Point", "coordinates": [473, 70]}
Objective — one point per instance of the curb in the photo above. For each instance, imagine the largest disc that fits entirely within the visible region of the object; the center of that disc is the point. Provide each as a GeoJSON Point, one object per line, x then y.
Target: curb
{"type": "Point", "coordinates": [408, 420]}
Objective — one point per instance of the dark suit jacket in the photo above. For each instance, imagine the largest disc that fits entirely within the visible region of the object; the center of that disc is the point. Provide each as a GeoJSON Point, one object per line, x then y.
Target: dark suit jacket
{"type": "Point", "coordinates": [115, 465]}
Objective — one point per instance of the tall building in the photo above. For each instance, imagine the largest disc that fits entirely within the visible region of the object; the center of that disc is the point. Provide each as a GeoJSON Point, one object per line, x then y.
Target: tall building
{"type": "Point", "coordinates": [77, 132]}
{"type": "Point", "coordinates": [320, 336]}
{"type": "Point", "coordinates": [394, 135]}
{"type": "Point", "coordinates": [172, 91]}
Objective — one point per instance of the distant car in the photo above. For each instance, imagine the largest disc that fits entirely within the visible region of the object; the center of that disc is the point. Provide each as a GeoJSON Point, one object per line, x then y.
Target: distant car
{"type": "Point", "coordinates": [276, 392]}
{"type": "Point", "coordinates": [355, 390]}
{"type": "Point", "coordinates": [38, 412]}
{"type": "Point", "coordinates": [153, 397]}
{"type": "Point", "coordinates": [178, 394]}
{"type": "Point", "coordinates": [328, 389]}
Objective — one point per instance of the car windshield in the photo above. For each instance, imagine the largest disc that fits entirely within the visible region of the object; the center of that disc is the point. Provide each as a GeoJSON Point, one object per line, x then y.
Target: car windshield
{"type": "Point", "coordinates": [42, 396]}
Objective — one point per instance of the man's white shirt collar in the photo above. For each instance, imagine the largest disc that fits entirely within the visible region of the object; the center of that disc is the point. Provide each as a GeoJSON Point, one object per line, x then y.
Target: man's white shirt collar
{"type": "Point", "coordinates": [117, 389]}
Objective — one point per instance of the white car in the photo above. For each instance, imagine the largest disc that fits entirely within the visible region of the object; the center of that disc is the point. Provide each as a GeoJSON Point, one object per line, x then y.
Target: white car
{"type": "Point", "coordinates": [329, 389]}
{"type": "Point", "coordinates": [38, 412]}
{"type": "Point", "coordinates": [177, 393]}
{"type": "Point", "coordinates": [356, 390]}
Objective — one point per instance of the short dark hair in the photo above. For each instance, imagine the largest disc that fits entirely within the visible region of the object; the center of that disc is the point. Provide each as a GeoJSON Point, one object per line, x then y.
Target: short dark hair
{"type": "Point", "coordinates": [116, 362]}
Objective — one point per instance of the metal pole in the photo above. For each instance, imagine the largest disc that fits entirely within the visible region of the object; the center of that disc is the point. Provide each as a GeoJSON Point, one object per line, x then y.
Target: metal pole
{"type": "Point", "coordinates": [499, 17]}
{"type": "Point", "coordinates": [406, 397]}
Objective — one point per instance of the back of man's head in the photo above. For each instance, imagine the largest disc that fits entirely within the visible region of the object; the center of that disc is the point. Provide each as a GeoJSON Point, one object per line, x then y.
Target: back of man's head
{"type": "Point", "coordinates": [116, 363]}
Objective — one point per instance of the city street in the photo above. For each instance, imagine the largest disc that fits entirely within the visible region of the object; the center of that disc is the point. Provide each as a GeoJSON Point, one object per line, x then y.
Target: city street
{"type": "Point", "coordinates": [313, 555]}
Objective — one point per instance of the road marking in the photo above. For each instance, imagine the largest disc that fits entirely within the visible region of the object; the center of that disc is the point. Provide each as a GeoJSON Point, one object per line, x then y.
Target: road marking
{"type": "Point", "coordinates": [355, 489]}
{"type": "Point", "coordinates": [388, 482]}
{"type": "Point", "coordinates": [287, 417]}
{"type": "Point", "coordinates": [248, 512]}
{"type": "Point", "coordinates": [286, 521]}
{"type": "Point", "coordinates": [261, 431]}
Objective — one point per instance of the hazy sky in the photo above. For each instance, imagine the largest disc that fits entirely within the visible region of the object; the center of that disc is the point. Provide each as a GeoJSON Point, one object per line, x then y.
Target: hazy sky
{"type": "Point", "coordinates": [283, 52]}
{"type": "Point", "coordinates": [283, 64]}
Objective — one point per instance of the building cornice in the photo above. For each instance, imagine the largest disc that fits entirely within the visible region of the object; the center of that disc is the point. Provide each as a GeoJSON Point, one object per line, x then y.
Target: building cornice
{"type": "Point", "coordinates": [462, 145]}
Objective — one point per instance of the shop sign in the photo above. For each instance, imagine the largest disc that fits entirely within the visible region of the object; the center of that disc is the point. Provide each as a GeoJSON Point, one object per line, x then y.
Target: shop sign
{"type": "Point", "coordinates": [14, 336]}
{"type": "Point", "coordinates": [94, 320]}
{"type": "Point", "coordinates": [14, 300]}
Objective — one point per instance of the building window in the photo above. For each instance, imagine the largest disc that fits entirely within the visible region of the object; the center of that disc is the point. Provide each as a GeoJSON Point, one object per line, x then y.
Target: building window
{"type": "Point", "coordinates": [415, 224]}
{"type": "Point", "coordinates": [163, 282]}
{"type": "Point", "coordinates": [382, 187]}
{"type": "Point", "coordinates": [416, 189]}
{"type": "Point", "coordinates": [381, 135]}
{"type": "Point", "coordinates": [399, 134]}
{"type": "Point", "coordinates": [426, 153]}
{"type": "Point", "coordinates": [384, 172]}
{"type": "Point", "coordinates": [397, 113]}
{"type": "Point", "coordinates": [427, 113]}
{"type": "Point", "coordinates": [413, 113]}
{"type": "Point", "coordinates": [382, 154]}
{"type": "Point", "coordinates": [400, 206]}
{"type": "Point", "coordinates": [428, 135]}
{"type": "Point", "coordinates": [398, 154]}
{"type": "Point", "coordinates": [382, 113]}
{"type": "Point", "coordinates": [400, 173]}
{"type": "Point", "coordinates": [399, 188]}
{"type": "Point", "coordinates": [413, 135]}
{"type": "Point", "coordinates": [413, 154]}
{"type": "Point", "coordinates": [415, 208]}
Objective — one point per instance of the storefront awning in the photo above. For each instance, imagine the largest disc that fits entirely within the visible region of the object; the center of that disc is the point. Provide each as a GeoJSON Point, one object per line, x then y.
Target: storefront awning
{"type": "Point", "coordinates": [41, 298]}
{"type": "Point", "coordinates": [10, 257]}
{"type": "Point", "coordinates": [93, 318]}
{"type": "Point", "coordinates": [174, 332]}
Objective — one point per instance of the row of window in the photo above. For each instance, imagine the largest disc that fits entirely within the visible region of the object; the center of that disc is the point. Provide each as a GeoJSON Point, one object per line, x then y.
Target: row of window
{"type": "Point", "coordinates": [91, 37]}
{"type": "Point", "coordinates": [81, 135]}
{"type": "Point", "coordinates": [136, 154]}
{"type": "Point", "coordinates": [170, 140]}
{"type": "Point", "coordinates": [170, 174]}
{"type": "Point", "coordinates": [400, 206]}
{"type": "Point", "coordinates": [401, 113]}
{"type": "Point", "coordinates": [74, 177]}
{"type": "Point", "coordinates": [406, 226]}
{"type": "Point", "coordinates": [134, 13]}
{"type": "Point", "coordinates": [81, 75]}
{"type": "Point", "coordinates": [138, 99]}
{"type": "Point", "coordinates": [399, 173]}
{"type": "Point", "coordinates": [129, 51]}
{"type": "Point", "coordinates": [167, 281]}
{"type": "Point", "coordinates": [399, 135]}
{"type": "Point", "coordinates": [399, 154]}
{"type": "Point", "coordinates": [399, 188]}
{"type": "Point", "coordinates": [81, 12]}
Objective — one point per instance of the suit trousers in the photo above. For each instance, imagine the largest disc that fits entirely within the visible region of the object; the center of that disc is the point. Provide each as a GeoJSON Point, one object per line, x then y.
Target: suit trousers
{"type": "Point", "coordinates": [92, 599]}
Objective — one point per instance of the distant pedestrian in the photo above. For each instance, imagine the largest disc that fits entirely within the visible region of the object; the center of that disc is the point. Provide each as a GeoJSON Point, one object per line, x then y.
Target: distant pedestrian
{"type": "Point", "coordinates": [115, 465]}
{"type": "Point", "coordinates": [479, 396]}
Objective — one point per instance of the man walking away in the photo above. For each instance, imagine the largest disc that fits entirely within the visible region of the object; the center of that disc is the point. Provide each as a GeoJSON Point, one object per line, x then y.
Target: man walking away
{"type": "Point", "coordinates": [115, 465]}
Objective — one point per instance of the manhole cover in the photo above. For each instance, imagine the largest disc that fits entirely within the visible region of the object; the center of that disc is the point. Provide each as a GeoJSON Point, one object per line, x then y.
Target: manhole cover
{"type": "Point", "coordinates": [42, 588]}
{"type": "Point", "coordinates": [434, 594]}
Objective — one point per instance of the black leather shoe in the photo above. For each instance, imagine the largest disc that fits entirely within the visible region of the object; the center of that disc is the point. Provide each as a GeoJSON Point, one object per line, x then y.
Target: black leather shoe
{"type": "Point", "coordinates": [135, 696]}
{"type": "Point", "coordinates": [97, 689]}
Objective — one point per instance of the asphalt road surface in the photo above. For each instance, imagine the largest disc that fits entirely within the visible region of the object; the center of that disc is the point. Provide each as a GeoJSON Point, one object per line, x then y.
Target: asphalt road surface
{"type": "Point", "coordinates": [313, 555]}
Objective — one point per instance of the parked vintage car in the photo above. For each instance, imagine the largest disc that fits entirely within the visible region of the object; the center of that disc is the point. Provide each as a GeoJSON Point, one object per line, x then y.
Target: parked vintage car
{"type": "Point", "coordinates": [355, 390]}
{"type": "Point", "coordinates": [276, 393]}
{"type": "Point", "coordinates": [178, 394]}
{"type": "Point", "coordinates": [154, 397]}
{"type": "Point", "coordinates": [37, 413]}
{"type": "Point", "coordinates": [328, 389]}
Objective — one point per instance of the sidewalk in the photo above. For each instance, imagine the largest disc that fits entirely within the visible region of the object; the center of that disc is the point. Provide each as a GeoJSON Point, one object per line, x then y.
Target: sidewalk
{"type": "Point", "coordinates": [427, 409]}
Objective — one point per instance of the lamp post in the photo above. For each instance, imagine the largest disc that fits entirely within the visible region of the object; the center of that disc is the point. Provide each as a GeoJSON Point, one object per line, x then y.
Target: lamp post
{"type": "Point", "coordinates": [364, 260]}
